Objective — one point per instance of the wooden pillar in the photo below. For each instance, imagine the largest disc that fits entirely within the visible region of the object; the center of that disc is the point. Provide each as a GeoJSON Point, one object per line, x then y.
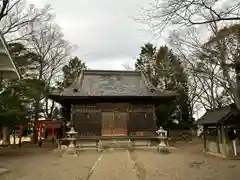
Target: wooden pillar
{"type": "Point", "coordinates": [40, 131]}
{"type": "Point", "coordinates": [155, 119]}
{"type": "Point", "coordinates": [225, 146]}
{"type": "Point", "coordinates": [71, 115]}
{"type": "Point", "coordinates": [67, 109]}
{"type": "Point", "coordinates": [53, 132]}
{"type": "Point", "coordinates": [205, 137]}
{"type": "Point", "coordinates": [64, 130]}
{"type": "Point", "coordinates": [218, 138]}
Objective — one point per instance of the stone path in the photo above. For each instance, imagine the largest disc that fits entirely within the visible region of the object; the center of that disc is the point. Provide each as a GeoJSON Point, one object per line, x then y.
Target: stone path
{"type": "Point", "coordinates": [121, 165]}
{"type": "Point", "coordinates": [114, 165]}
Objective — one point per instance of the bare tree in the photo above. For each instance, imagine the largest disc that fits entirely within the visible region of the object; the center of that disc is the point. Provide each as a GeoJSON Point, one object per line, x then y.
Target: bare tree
{"type": "Point", "coordinates": [162, 14]}
{"type": "Point", "coordinates": [19, 16]}
{"type": "Point", "coordinates": [46, 41]}
{"type": "Point", "coordinates": [224, 49]}
{"type": "Point", "coordinates": [6, 6]}
{"type": "Point", "coordinates": [127, 67]}
{"type": "Point", "coordinates": [208, 87]}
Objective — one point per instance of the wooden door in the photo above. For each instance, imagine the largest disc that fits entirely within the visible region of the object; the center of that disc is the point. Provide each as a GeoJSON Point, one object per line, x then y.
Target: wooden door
{"type": "Point", "coordinates": [120, 123]}
{"type": "Point", "coordinates": [107, 123]}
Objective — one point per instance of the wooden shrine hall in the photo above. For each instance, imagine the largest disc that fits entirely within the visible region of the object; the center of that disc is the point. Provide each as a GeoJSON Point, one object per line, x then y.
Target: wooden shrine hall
{"type": "Point", "coordinates": [104, 104]}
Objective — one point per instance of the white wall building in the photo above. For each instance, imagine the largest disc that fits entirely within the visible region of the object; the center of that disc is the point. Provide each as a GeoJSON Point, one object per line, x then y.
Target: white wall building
{"type": "Point", "coordinates": [8, 71]}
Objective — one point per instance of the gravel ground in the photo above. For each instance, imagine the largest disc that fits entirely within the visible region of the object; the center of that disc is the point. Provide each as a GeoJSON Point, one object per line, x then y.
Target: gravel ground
{"type": "Point", "coordinates": [118, 165]}
{"type": "Point", "coordinates": [184, 166]}
{"type": "Point", "coordinates": [50, 166]}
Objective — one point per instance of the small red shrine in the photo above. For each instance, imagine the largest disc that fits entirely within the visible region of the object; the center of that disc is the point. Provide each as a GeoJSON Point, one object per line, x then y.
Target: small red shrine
{"type": "Point", "coordinates": [51, 126]}
{"type": "Point", "coordinates": [48, 125]}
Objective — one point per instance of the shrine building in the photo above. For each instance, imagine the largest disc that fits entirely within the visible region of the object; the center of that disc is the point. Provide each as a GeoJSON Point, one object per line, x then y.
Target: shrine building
{"type": "Point", "coordinates": [106, 104]}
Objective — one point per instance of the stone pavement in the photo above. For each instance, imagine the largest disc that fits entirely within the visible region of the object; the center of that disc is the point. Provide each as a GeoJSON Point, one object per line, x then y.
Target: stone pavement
{"type": "Point", "coordinates": [114, 165]}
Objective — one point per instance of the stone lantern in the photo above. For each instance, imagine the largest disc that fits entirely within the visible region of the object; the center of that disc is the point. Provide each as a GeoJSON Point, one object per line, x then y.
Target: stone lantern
{"type": "Point", "coordinates": [162, 136]}
{"type": "Point", "coordinates": [71, 149]}
{"type": "Point", "coordinates": [72, 137]}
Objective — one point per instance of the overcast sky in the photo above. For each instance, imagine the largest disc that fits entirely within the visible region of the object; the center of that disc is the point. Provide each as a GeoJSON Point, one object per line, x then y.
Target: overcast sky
{"type": "Point", "coordinates": [103, 30]}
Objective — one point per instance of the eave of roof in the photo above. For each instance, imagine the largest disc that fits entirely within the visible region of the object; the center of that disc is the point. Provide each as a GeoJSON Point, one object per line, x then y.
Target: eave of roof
{"type": "Point", "coordinates": [217, 116]}
{"type": "Point", "coordinates": [4, 43]}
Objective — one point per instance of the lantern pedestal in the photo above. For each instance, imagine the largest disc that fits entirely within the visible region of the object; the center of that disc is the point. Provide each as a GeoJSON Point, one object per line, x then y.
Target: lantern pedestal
{"type": "Point", "coordinates": [71, 149]}
{"type": "Point", "coordinates": [162, 142]}
{"type": "Point", "coordinates": [162, 136]}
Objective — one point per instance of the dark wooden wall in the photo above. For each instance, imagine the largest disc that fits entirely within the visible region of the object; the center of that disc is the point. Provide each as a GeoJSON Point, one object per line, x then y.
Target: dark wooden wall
{"type": "Point", "coordinates": [141, 119]}
{"type": "Point", "coordinates": [87, 117]}
{"type": "Point", "coordinates": [87, 120]}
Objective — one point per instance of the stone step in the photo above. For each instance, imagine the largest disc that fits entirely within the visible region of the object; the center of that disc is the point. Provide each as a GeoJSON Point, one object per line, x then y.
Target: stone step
{"type": "Point", "coordinates": [114, 144]}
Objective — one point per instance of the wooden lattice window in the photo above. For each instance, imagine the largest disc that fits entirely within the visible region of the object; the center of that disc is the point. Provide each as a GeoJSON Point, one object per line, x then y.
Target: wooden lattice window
{"type": "Point", "coordinates": [87, 124]}
{"type": "Point", "coordinates": [84, 108]}
{"type": "Point", "coordinates": [141, 107]}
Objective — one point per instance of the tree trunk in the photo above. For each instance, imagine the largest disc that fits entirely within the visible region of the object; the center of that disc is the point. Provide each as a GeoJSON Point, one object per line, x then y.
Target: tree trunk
{"type": "Point", "coordinates": [35, 136]}
{"type": "Point", "coordinates": [6, 135]}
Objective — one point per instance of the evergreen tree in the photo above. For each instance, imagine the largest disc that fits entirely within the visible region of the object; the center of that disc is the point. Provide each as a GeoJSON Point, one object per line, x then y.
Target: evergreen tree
{"type": "Point", "coordinates": [71, 71]}
{"type": "Point", "coordinates": [165, 71]}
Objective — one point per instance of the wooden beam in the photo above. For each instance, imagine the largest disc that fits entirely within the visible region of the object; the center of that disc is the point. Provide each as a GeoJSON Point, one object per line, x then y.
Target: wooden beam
{"type": "Point", "coordinates": [224, 140]}
{"type": "Point", "coordinates": [218, 138]}
{"type": "Point", "coordinates": [71, 114]}
{"type": "Point", "coordinates": [155, 119]}
{"type": "Point", "coordinates": [205, 137]}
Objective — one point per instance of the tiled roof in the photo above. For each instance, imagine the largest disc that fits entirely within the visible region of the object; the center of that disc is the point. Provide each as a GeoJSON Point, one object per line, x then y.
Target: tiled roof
{"type": "Point", "coordinates": [112, 83]}
{"type": "Point", "coordinates": [217, 115]}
